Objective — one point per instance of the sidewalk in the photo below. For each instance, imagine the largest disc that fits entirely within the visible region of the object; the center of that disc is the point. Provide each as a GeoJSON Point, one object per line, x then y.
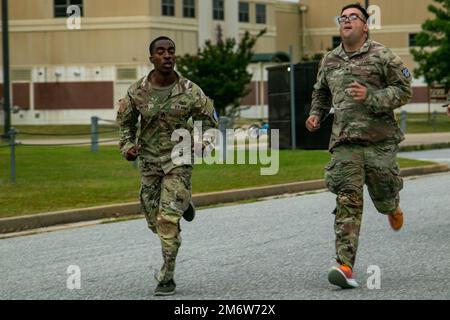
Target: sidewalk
{"type": "Point", "coordinates": [62, 142]}
{"type": "Point", "coordinates": [414, 139]}
{"type": "Point", "coordinates": [411, 139]}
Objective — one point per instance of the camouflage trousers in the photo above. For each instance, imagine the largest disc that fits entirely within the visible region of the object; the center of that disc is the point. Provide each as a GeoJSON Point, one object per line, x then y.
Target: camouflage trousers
{"type": "Point", "coordinates": [351, 167]}
{"type": "Point", "coordinates": [164, 197]}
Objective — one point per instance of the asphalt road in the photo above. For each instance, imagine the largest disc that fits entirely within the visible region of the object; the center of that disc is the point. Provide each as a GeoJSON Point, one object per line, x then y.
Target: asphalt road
{"type": "Point", "coordinates": [273, 249]}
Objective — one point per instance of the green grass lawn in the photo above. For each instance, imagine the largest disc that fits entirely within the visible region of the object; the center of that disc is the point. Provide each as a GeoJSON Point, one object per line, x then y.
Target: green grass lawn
{"type": "Point", "coordinates": [57, 178]}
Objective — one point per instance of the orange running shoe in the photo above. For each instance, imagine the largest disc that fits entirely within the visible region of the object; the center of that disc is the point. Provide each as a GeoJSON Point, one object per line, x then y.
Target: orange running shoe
{"type": "Point", "coordinates": [342, 276]}
{"type": "Point", "coordinates": [396, 219]}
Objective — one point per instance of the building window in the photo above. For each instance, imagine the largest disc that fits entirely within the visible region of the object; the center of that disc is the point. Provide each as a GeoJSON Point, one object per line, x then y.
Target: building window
{"type": "Point", "coordinates": [189, 8]}
{"type": "Point", "coordinates": [261, 13]}
{"type": "Point", "coordinates": [244, 10]}
{"type": "Point", "coordinates": [218, 10]}
{"type": "Point", "coordinates": [168, 8]}
{"type": "Point", "coordinates": [336, 41]}
{"type": "Point", "coordinates": [412, 39]}
{"type": "Point", "coordinates": [60, 7]}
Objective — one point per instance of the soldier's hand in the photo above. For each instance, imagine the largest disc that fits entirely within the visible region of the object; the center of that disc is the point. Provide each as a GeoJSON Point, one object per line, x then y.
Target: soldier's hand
{"type": "Point", "coordinates": [313, 123]}
{"type": "Point", "coordinates": [358, 92]}
{"type": "Point", "coordinates": [132, 153]}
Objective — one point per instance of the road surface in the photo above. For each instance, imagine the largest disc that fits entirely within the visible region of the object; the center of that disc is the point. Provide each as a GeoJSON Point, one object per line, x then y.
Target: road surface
{"type": "Point", "coordinates": [272, 249]}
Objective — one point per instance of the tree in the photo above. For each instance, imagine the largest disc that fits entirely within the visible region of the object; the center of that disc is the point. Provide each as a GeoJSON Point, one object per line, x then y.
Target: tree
{"type": "Point", "coordinates": [434, 46]}
{"type": "Point", "coordinates": [221, 71]}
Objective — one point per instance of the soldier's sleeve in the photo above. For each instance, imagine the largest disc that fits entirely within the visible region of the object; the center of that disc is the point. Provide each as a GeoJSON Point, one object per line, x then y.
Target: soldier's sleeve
{"type": "Point", "coordinates": [127, 119]}
{"type": "Point", "coordinates": [203, 110]}
{"type": "Point", "coordinates": [397, 92]}
{"type": "Point", "coordinates": [321, 96]}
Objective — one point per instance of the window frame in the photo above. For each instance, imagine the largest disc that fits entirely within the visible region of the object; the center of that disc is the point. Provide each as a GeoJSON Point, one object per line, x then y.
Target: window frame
{"type": "Point", "coordinates": [412, 40]}
{"type": "Point", "coordinates": [218, 12]}
{"type": "Point", "coordinates": [58, 8]}
{"type": "Point", "coordinates": [259, 15]}
{"type": "Point", "coordinates": [168, 8]}
{"type": "Point", "coordinates": [244, 13]}
{"type": "Point", "coordinates": [189, 9]}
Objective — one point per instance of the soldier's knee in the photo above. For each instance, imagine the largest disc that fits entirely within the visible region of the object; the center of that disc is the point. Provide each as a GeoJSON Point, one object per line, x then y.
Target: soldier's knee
{"type": "Point", "coordinates": [387, 206]}
{"type": "Point", "coordinates": [396, 180]}
{"type": "Point", "coordinates": [343, 175]}
{"type": "Point", "coordinates": [385, 183]}
{"type": "Point", "coordinates": [149, 199]}
{"type": "Point", "coordinates": [167, 228]}
{"type": "Point", "coordinates": [351, 199]}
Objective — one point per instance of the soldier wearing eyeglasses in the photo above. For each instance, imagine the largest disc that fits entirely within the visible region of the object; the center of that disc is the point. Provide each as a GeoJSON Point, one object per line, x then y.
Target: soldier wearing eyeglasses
{"type": "Point", "coordinates": [364, 81]}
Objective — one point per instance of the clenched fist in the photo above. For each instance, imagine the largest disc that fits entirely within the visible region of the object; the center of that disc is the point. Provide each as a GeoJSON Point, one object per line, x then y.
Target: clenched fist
{"type": "Point", "coordinates": [132, 153]}
{"type": "Point", "coordinates": [313, 123]}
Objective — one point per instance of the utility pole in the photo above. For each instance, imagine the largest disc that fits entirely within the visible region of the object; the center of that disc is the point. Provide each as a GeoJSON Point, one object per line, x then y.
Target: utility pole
{"type": "Point", "coordinates": [6, 91]}
{"type": "Point", "coordinates": [292, 89]}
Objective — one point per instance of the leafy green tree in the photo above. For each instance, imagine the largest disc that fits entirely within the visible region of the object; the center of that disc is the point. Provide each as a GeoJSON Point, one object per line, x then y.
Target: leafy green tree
{"type": "Point", "coordinates": [221, 71]}
{"type": "Point", "coordinates": [433, 52]}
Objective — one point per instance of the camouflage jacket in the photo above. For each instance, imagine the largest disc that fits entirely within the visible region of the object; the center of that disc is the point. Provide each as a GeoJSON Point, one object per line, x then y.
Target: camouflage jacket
{"type": "Point", "coordinates": [160, 118]}
{"type": "Point", "coordinates": [389, 87]}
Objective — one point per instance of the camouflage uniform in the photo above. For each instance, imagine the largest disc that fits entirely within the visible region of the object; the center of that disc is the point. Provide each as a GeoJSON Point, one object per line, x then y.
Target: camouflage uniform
{"type": "Point", "coordinates": [165, 186]}
{"type": "Point", "coordinates": [365, 135]}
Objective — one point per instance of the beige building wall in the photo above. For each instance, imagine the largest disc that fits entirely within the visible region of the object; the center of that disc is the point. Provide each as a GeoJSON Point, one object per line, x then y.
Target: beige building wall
{"type": "Point", "coordinates": [119, 8]}
{"type": "Point", "coordinates": [118, 31]}
{"type": "Point", "coordinates": [115, 34]}
{"type": "Point", "coordinates": [30, 10]}
{"type": "Point", "coordinates": [289, 29]}
{"type": "Point", "coordinates": [113, 31]}
{"type": "Point", "coordinates": [111, 48]}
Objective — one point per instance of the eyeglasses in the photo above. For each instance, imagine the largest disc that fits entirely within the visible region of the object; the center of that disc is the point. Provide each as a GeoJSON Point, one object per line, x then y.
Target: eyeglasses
{"type": "Point", "coordinates": [351, 17]}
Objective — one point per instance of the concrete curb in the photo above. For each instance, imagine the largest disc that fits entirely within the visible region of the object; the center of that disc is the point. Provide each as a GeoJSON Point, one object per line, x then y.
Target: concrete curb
{"type": "Point", "coordinates": [34, 221]}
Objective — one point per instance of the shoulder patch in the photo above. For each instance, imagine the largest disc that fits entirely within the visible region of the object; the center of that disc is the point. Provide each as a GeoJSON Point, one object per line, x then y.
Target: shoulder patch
{"type": "Point", "coordinates": [406, 72]}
